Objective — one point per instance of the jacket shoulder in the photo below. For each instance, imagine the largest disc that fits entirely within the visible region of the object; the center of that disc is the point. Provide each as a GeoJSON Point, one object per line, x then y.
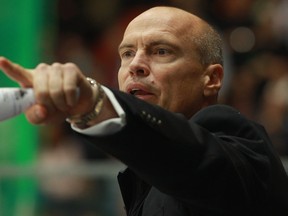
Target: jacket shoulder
{"type": "Point", "coordinates": [227, 120]}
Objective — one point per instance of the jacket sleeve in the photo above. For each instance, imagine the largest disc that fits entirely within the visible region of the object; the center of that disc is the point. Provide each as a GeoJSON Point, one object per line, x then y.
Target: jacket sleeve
{"type": "Point", "coordinates": [216, 158]}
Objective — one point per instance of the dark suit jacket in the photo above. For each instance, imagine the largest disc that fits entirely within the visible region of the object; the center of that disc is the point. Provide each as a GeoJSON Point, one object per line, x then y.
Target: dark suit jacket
{"type": "Point", "coordinates": [216, 163]}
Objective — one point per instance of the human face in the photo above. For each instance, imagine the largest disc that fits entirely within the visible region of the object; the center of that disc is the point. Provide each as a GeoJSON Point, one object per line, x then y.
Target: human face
{"type": "Point", "coordinates": [159, 63]}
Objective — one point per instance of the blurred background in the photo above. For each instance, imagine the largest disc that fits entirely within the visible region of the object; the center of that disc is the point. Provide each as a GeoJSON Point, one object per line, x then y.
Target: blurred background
{"type": "Point", "coordinates": [46, 171]}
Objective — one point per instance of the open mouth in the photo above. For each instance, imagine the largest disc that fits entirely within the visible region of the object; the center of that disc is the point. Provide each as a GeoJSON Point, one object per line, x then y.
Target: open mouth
{"type": "Point", "coordinates": [140, 93]}
{"type": "Point", "coordinates": [136, 92]}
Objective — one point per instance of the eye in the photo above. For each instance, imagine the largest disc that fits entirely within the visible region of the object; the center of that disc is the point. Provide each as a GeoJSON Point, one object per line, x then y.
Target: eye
{"type": "Point", "coordinates": [161, 52]}
{"type": "Point", "coordinates": [127, 54]}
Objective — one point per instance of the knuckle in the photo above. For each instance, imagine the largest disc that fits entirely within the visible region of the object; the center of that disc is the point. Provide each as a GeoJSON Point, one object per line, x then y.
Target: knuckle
{"type": "Point", "coordinates": [71, 67]}
{"type": "Point", "coordinates": [42, 66]}
{"type": "Point", "coordinates": [57, 67]}
{"type": "Point", "coordinates": [70, 64]}
{"type": "Point", "coordinates": [56, 64]}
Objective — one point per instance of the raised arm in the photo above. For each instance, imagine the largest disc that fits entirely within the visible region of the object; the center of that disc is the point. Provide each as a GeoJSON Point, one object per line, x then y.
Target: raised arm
{"type": "Point", "coordinates": [61, 91]}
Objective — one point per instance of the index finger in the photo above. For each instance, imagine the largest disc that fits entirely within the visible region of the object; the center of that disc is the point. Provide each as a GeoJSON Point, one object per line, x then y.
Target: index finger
{"type": "Point", "coordinates": [16, 72]}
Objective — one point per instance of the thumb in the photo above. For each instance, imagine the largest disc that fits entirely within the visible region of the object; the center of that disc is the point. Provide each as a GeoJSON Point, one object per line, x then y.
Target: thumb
{"type": "Point", "coordinates": [36, 114]}
{"type": "Point", "coordinates": [39, 115]}
{"type": "Point", "coordinates": [16, 72]}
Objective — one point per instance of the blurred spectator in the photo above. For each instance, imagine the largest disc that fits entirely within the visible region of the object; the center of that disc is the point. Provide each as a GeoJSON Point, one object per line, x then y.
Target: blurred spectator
{"type": "Point", "coordinates": [272, 29]}
{"type": "Point", "coordinates": [273, 113]}
{"type": "Point", "coordinates": [64, 194]}
{"type": "Point", "coordinates": [73, 48]}
{"type": "Point", "coordinates": [244, 91]}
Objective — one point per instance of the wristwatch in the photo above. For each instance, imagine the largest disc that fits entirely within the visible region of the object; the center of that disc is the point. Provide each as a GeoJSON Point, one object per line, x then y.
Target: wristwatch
{"type": "Point", "coordinates": [82, 121]}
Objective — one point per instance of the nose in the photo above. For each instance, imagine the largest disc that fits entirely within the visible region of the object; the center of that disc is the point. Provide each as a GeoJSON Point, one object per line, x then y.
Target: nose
{"type": "Point", "coordinates": [139, 66]}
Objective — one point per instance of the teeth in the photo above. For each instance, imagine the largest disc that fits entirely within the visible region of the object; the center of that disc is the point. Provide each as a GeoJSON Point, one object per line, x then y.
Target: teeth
{"type": "Point", "coordinates": [133, 91]}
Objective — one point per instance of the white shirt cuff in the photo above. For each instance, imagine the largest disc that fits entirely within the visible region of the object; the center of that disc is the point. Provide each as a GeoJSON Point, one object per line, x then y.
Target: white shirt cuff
{"type": "Point", "coordinates": [109, 126]}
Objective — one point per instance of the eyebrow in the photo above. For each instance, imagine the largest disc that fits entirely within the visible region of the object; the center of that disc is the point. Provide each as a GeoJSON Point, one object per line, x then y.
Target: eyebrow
{"type": "Point", "coordinates": [152, 43]}
{"type": "Point", "coordinates": [125, 45]}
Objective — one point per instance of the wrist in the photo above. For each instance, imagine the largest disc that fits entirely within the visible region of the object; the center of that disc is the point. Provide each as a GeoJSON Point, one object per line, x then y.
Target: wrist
{"type": "Point", "coordinates": [85, 120]}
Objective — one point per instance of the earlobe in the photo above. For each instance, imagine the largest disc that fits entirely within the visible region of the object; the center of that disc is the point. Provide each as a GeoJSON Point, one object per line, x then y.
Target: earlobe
{"type": "Point", "coordinates": [213, 79]}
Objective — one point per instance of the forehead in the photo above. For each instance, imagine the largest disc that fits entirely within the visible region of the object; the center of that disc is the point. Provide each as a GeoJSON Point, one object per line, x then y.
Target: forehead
{"type": "Point", "coordinates": [173, 21]}
{"type": "Point", "coordinates": [160, 20]}
{"type": "Point", "coordinates": [155, 28]}
{"type": "Point", "coordinates": [149, 37]}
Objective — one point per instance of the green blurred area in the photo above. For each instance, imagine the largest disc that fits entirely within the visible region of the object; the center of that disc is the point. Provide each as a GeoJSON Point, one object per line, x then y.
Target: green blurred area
{"type": "Point", "coordinates": [21, 39]}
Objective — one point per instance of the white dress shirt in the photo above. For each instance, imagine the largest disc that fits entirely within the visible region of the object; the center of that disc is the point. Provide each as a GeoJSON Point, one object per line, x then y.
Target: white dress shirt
{"type": "Point", "coordinates": [109, 126]}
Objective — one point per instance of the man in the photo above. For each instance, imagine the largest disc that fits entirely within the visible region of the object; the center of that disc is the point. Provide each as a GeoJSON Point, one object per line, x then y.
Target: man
{"type": "Point", "coordinates": [185, 154]}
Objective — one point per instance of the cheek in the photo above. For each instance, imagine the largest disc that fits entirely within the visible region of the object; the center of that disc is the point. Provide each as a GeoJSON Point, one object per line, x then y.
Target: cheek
{"type": "Point", "coordinates": [169, 93]}
{"type": "Point", "coordinates": [121, 79]}
{"type": "Point", "coordinates": [182, 90]}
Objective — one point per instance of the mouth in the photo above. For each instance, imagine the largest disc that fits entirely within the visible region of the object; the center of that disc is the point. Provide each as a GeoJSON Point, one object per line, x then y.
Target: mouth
{"type": "Point", "coordinates": [139, 92]}
{"type": "Point", "coordinates": [136, 92]}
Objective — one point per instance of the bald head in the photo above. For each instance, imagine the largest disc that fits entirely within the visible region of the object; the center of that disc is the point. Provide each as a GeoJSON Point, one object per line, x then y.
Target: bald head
{"type": "Point", "coordinates": [170, 15]}
{"type": "Point", "coordinates": [197, 32]}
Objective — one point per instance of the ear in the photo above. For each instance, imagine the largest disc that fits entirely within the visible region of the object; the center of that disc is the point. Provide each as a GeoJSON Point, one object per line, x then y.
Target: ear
{"type": "Point", "coordinates": [213, 79]}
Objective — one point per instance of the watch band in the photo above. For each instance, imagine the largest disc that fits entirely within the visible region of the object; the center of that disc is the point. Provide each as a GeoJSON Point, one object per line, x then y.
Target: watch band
{"type": "Point", "coordinates": [82, 121]}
